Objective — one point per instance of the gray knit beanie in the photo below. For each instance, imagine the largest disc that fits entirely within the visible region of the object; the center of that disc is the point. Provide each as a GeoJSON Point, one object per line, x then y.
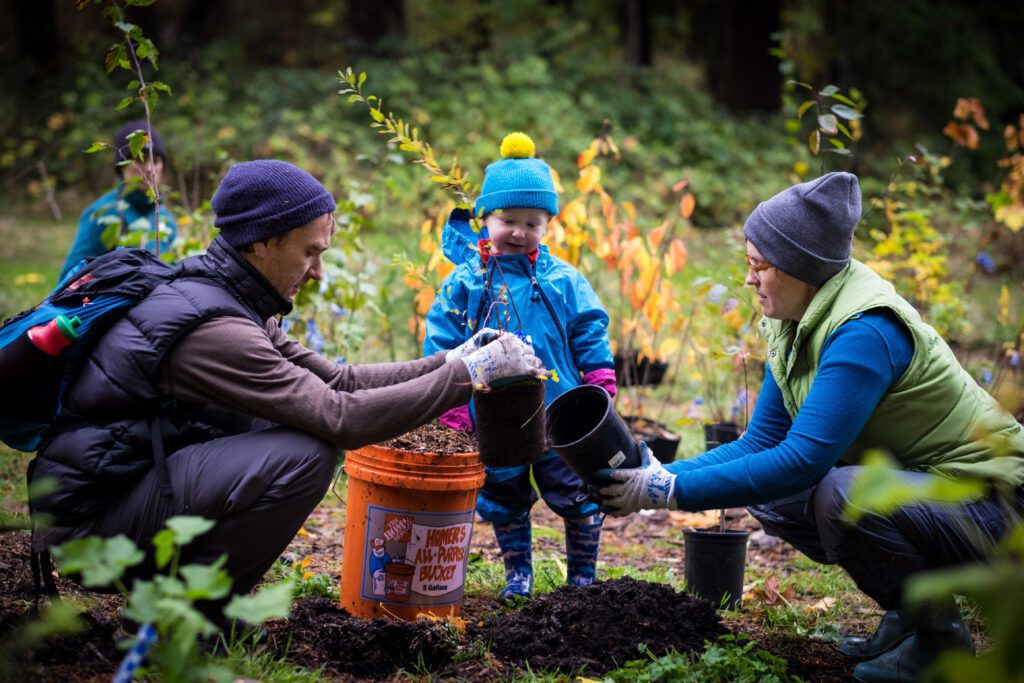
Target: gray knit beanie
{"type": "Point", "coordinates": [261, 199]}
{"type": "Point", "coordinates": [806, 231]}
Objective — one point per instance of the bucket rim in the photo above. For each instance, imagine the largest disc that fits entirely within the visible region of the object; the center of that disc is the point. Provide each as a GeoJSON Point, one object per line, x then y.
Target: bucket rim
{"type": "Point", "coordinates": [713, 534]}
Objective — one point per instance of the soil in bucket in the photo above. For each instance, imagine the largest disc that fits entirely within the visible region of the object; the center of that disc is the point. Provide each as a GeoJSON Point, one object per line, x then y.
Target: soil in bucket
{"type": "Point", "coordinates": [408, 525]}
{"type": "Point", "coordinates": [715, 562]}
{"type": "Point", "coordinates": [585, 430]}
{"type": "Point", "coordinates": [510, 423]}
{"type": "Point", "coordinates": [662, 442]}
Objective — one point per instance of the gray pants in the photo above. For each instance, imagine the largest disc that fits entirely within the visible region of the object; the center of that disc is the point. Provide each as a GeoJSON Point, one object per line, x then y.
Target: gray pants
{"type": "Point", "coordinates": [881, 551]}
{"type": "Point", "coordinates": [258, 487]}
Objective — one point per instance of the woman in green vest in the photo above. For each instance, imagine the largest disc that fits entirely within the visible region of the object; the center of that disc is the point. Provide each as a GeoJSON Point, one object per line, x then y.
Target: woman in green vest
{"type": "Point", "coordinates": [851, 367]}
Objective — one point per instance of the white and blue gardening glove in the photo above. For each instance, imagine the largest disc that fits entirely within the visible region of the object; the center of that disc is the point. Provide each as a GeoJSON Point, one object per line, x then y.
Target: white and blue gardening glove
{"type": "Point", "coordinates": [506, 357]}
{"type": "Point", "coordinates": [648, 487]}
{"type": "Point", "coordinates": [485, 336]}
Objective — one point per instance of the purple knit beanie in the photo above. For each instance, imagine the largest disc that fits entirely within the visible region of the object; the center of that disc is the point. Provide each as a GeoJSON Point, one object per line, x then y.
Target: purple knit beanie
{"type": "Point", "coordinates": [806, 231]}
{"type": "Point", "coordinates": [261, 199]}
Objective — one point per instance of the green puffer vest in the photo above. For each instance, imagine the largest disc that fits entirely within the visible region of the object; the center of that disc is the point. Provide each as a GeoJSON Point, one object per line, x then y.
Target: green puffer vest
{"type": "Point", "coordinates": [934, 419]}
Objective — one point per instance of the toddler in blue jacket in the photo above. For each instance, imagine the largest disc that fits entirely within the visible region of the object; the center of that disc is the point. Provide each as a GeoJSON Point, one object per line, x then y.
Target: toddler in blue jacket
{"type": "Point", "coordinates": [541, 296]}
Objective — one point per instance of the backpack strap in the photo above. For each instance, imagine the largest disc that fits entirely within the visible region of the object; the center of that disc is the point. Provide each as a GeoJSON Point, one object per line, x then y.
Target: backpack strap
{"type": "Point", "coordinates": [42, 575]}
{"type": "Point", "coordinates": [159, 456]}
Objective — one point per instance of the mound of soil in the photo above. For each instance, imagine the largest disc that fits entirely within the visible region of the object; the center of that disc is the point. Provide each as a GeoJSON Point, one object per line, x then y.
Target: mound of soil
{"type": "Point", "coordinates": [601, 626]}
{"type": "Point", "coordinates": [433, 437]}
{"type": "Point", "coordinates": [319, 633]}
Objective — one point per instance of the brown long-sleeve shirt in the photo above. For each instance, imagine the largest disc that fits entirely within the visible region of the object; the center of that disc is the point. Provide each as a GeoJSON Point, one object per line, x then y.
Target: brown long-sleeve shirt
{"type": "Point", "coordinates": [259, 371]}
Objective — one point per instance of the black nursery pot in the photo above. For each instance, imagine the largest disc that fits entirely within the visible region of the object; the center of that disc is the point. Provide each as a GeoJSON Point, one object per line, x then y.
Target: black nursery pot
{"type": "Point", "coordinates": [632, 372]}
{"type": "Point", "coordinates": [588, 434]}
{"type": "Point", "coordinates": [510, 423]}
{"type": "Point", "coordinates": [717, 433]}
{"type": "Point", "coordinates": [715, 561]}
{"type": "Point", "coordinates": [659, 439]}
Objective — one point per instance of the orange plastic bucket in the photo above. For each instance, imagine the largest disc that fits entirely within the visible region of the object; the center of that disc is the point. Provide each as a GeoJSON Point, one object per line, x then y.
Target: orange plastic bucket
{"type": "Point", "coordinates": [408, 524]}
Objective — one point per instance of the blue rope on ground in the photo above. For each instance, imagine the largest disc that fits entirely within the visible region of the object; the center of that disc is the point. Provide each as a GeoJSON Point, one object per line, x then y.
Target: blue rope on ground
{"type": "Point", "coordinates": [132, 660]}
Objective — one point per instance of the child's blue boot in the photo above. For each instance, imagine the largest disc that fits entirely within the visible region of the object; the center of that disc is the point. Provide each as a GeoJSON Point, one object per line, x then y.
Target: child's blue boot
{"type": "Point", "coordinates": [514, 539]}
{"type": "Point", "coordinates": [582, 538]}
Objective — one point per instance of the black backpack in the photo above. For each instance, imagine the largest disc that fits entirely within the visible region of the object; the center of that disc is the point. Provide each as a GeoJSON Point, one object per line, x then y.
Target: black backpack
{"type": "Point", "coordinates": [42, 348]}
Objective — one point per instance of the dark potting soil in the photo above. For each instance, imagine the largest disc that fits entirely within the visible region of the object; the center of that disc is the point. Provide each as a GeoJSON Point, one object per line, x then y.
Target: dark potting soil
{"type": "Point", "coordinates": [433, 437]}
{"type": "Point", "coordinates": [601, 626]}
{"type": "Point", "coordinates": [320, 633]}
{"type": "Point", "coordinates": [85, 656]}
{"type": "Point", "coordinates": [510, 424]}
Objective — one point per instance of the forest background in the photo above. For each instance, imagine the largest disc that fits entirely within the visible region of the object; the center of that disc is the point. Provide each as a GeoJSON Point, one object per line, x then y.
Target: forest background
{"type": "Point", "coordinates": [701, 99]}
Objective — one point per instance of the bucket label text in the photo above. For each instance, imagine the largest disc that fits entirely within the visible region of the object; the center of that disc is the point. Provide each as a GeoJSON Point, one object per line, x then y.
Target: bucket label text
{"type": "Point", "coordinates": [416, 558]}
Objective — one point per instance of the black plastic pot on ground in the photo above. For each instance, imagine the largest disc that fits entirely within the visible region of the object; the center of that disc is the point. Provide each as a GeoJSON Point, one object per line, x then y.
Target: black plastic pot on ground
{"type": "Point", "coordinates": [631, 372]}
{"type": "Point", "coordinates": [715, 563]}
{"type": "Point", "coordinates": [718, 433]}
{"type": "Point", "coordinates": [662, 442]}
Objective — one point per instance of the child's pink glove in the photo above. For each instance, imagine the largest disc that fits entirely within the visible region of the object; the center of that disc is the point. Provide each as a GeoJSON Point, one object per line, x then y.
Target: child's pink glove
{"type": "Point", "coordinates": [458, 419]}
{"type": "Point", "coordinates": [604, 378]}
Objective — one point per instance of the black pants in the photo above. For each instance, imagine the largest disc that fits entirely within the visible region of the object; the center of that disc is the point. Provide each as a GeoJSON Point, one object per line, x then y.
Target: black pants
{"type": "Point", "coordinates": [881, 551]}
{"type": "Point", "coordinates": [258, 487]}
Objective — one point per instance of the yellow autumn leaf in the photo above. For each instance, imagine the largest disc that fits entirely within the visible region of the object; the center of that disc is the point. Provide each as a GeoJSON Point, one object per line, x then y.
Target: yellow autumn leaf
{"type": "Point", "coordinates": [655, 236]}
{"type": "Point", "coordinates": [675, 259]}
{"type": "Point", "coordinates": [1004, 306]}
{"type": "Point", "coordinates": [306, 576]}
{"type": "Point", "coordinates": [29, 279]}
{"type": "Point", "coordinates": [687, 205]}
{"type": "Point", "coordinates": [424, 300]}
{"type": "Point", "coordinates": [303, 532]}
{"type": "Point", "coordinates": [1012, 216]}
{"type": "Point", "coordinates": [587, 155]}
{"type": "Point", "coordinates": [589, 178]}
{"type": "Point", "coordinates": [733, 319]}
{"type": "Point", "coordinates": [668, 347]}
{"type": "Point", "coordinates": [306, 561]}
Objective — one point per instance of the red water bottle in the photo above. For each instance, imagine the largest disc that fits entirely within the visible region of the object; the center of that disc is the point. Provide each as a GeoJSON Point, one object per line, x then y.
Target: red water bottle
{"type": "Point", "coordinates": [56, 335]}
{"type": "Point", "coordinates": [30, 371]}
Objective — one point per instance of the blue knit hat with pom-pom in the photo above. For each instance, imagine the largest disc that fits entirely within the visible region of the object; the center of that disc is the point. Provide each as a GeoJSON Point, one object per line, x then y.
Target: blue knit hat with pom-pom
{"type": "Point", "coordinates": [517, 180]}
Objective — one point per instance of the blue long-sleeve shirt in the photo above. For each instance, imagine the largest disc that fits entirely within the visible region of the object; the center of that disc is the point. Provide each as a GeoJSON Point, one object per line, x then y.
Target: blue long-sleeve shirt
{"type": "Point", "coordinates": [778, 456]}
{"type": "Point", "coordinates": [123, 210]}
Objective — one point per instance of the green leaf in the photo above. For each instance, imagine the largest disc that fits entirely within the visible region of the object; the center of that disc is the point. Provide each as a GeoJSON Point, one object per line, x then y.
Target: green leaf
{"type": "Point", "coordinates": [846, 112]}
{"type": "Point", "coordinates": [98, 146]}
{"type": "Point", "coordinates": [827, 123]}
{"type": "Point", "coordinates": [354, 98]}
{"type": "Point", "coordinates": [124, 26]}
{"type": "Point", "coordinates": [804, 107]}
{"type": "Point", "coordinates": [99, 561]}
{"type": "Point", "coordinates": [844, 99]}
{"type": "Point", "coordinates": [843, 129]}
{"type": "Point", "coordinates": [802, 85]}
{"type": "Point", "coordinates": [840, 152]}
{"type": "Point", "coordinates": [814, 141]}
{"type": "Point", "coordinates": [829, 90]}
{"type": "Point", "coordinates": [838, 144]}
{"type": "Point", "coordinates": [362, 79]}
{"type": "Point", "coordinates": [206, 582]}
{"type": "Point", "coordinates": [271, 601]}
{"type": "Point", "coordinates": [163, 541]}
{"type": "Point", "coordinates": [376, 115]}
{"type": "Point", "coordinates": [124, 103]}
{"type": "Point", "coordinates": [188, 527]}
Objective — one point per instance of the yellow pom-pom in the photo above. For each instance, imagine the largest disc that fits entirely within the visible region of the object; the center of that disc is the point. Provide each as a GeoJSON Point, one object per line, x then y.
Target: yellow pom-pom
{"type": "Point", "coordinates": [517, 146]}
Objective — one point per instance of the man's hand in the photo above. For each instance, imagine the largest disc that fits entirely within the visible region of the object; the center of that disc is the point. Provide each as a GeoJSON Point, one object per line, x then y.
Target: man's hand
{"type": "Point", "coordinates": [647, 487]}
{"type": "Point", "coordinates": [484, 336]}
{"type": "Point", "coordinates": [506, 357]}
